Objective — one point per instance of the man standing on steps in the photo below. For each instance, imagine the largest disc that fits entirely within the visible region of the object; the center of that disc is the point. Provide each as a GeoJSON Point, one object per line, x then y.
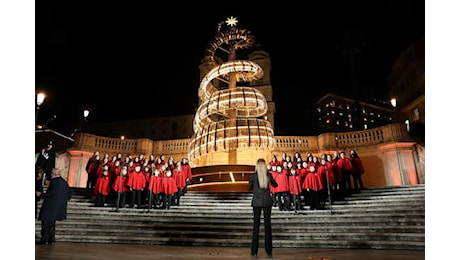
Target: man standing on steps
{"type": "Point", "coordinates": [260, 182]}
{"type": "Point", "coordinates": [54, 206]}
{"type": "Point", "coordinates": [47, 160]}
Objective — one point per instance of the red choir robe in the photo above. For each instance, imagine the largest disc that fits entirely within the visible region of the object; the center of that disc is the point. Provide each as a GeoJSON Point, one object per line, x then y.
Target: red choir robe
{"type": "Point", "coordinates": [344, 166]}
{"type": "Point", "coordinates": [272, 189]}
{"type": "Point", "coordinates": [312, 182]}
{"type": "Point", "coordinates": [120, 184]}
{"type": "Point", "coordinates": [282, 180]}
{"type": "Point", "coordinates": [180, 177]}
{"type": "Point", "coordinates": [114, 172]}
{"type": "Point", "coordinates": [295, 186]}
{"type": "Point", "coordinates": [332, 171]}
{"type": "Point", "coordinates": [169, 185]}
{"type": "Point", "coordinates": [102, 185]}
{"type": "Point", "coordinates": [156, 184]}
{"type": "Point", "coordinates": [137, 180]}
{"type": "Point", "coordinates": [303, 173]}
{"type": "Point", "coordinates": [188, 172]}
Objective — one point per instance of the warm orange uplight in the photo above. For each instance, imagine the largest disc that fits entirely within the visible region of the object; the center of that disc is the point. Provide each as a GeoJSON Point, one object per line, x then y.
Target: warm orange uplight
{"type": "Point", "coordinates": [77, 176]}
{"type": "Point", "coordinates": [400, 166]}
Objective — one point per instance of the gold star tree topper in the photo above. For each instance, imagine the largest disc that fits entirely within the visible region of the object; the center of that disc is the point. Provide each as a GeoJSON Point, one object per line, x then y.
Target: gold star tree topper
{"type": "Point", "coordinates": [231, 21]}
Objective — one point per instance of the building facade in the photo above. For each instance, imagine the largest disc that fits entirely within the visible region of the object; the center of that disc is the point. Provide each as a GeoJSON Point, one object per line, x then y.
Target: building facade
{"type": "Point", "coordinates": [407, 86]}
{"type": "Point", "coordinates": [341, 114]}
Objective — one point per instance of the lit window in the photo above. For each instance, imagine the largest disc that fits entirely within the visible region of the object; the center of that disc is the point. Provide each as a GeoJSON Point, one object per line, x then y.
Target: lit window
{"type": "Point", "coordinates": [365, 126]}
{"type": "Point", "coordinates": [337, 122]}
{"type": "Point", "coordinates": [365, 119]}
{"type": "Point", "coordinates": [341, 114]}
{"type": "Point", "coordinates": [333, 112]}
{"type": "Point", "coordinates": [318, 109]}
{"type": "Point", "coordinates": [327, 121]}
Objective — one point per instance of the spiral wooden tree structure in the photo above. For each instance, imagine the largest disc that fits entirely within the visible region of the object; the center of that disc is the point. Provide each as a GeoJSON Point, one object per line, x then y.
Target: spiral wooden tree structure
{"type": "Point", "coordinates": [230, 125]}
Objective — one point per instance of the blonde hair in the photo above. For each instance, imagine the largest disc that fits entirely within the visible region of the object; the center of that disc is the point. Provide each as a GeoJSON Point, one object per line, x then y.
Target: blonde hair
{"type": "Point", "coordinates": [261, 169]}
{"type": "Point", "coordinates": [55, 173]}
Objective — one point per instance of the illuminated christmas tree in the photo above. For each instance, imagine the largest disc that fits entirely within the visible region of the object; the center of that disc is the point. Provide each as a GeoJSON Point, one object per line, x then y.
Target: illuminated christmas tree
{"type": "Point", "coordinates": [230, 125]}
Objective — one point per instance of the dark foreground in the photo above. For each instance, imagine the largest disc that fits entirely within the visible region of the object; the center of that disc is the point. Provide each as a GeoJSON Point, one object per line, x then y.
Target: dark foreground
{"type": "Point", "coordinates": [133, 252]}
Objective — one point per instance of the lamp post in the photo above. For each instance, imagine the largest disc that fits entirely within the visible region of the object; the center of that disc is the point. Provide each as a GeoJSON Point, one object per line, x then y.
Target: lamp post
{"type": "Point", "coordinates": [394, 104]}
{"type": "Point", "coordinates": [40, 99]}
{"type": "Point", "coordinates": [85, 114]}
{"type": "Point", "coordinates": [85, 118]}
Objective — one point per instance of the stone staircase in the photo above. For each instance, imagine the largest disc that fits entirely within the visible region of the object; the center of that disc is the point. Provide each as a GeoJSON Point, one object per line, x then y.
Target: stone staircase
{"type": "Point", "coordinates": [373, 218]}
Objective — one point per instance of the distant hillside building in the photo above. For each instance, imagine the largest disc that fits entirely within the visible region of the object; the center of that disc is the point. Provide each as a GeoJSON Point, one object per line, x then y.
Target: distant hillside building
{"type": "Point", "coordinates": [340, 114]}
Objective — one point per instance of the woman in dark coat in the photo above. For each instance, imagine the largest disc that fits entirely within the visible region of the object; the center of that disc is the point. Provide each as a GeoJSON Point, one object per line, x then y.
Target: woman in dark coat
{"type": "Point", "coordinates": [260, 183]}
{"type": "Point", "coordinates": [54, 206]}
{"type": "Point", "coordinates": [358, 170]}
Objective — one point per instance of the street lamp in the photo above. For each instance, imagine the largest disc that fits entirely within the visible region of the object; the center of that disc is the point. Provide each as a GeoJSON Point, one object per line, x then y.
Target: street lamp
{"type": "Point", "coordinates": [85, 114]}
{"type": "Point", "coordinates": [85, 119]}
{"type": "Point", "coordinates": [393, 102]}
{"type": "Point", "coordinates": [40, 99]}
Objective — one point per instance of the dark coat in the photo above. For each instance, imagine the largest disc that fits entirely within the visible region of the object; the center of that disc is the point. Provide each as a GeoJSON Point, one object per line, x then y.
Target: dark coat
{"type": "Point", "coordinates": [47, 161]}
{"type": "Point", "coordinates": [261, 197]}
{"type": "Point", "coordinates": [54, 205]}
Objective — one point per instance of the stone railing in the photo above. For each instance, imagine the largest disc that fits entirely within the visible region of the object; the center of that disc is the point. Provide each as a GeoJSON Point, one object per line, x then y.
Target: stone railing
{"type": "Point", "coordinates": [177, 148]}
{"type": "Point", "coordinates": [296, 143]}
{"type": "Point", "coordinates": [341, 141]}
{"type": "Point", "coordinates": [387, 152]}
{"type": "Point", "coordinates": [111, 146]}
{"type": "Point", "coordinates": [384, 134]}
{"type": "Point", "coordinates": [288, 144]}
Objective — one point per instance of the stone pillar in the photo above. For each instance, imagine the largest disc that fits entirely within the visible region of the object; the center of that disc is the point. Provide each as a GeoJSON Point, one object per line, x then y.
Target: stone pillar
{"type": "Point", "coordinates": [78, 176]}
{"type": "Point", "coordinates": [399, 164]}
{"type": "Point", "coordinates": [327, 142]}
{"type": "Point", "coordinates": [144, 146]}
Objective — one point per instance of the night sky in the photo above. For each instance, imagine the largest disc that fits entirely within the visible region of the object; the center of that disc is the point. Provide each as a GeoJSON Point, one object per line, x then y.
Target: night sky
{"type": "Point", "coordinates": [127, 60]}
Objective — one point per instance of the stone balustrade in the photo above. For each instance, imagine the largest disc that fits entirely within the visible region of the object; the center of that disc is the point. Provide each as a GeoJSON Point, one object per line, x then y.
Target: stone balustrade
{"type": "Point", "coordinates": [376, 147]}
{"type": "Point", "coordinates": [288, 144]}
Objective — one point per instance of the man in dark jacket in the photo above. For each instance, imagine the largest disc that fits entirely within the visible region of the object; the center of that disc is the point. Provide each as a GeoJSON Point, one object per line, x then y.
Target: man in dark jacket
{"type": "Point", "coordinates": [54, 206]}
{"type": "Point", "coordinates": [47, 160]}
